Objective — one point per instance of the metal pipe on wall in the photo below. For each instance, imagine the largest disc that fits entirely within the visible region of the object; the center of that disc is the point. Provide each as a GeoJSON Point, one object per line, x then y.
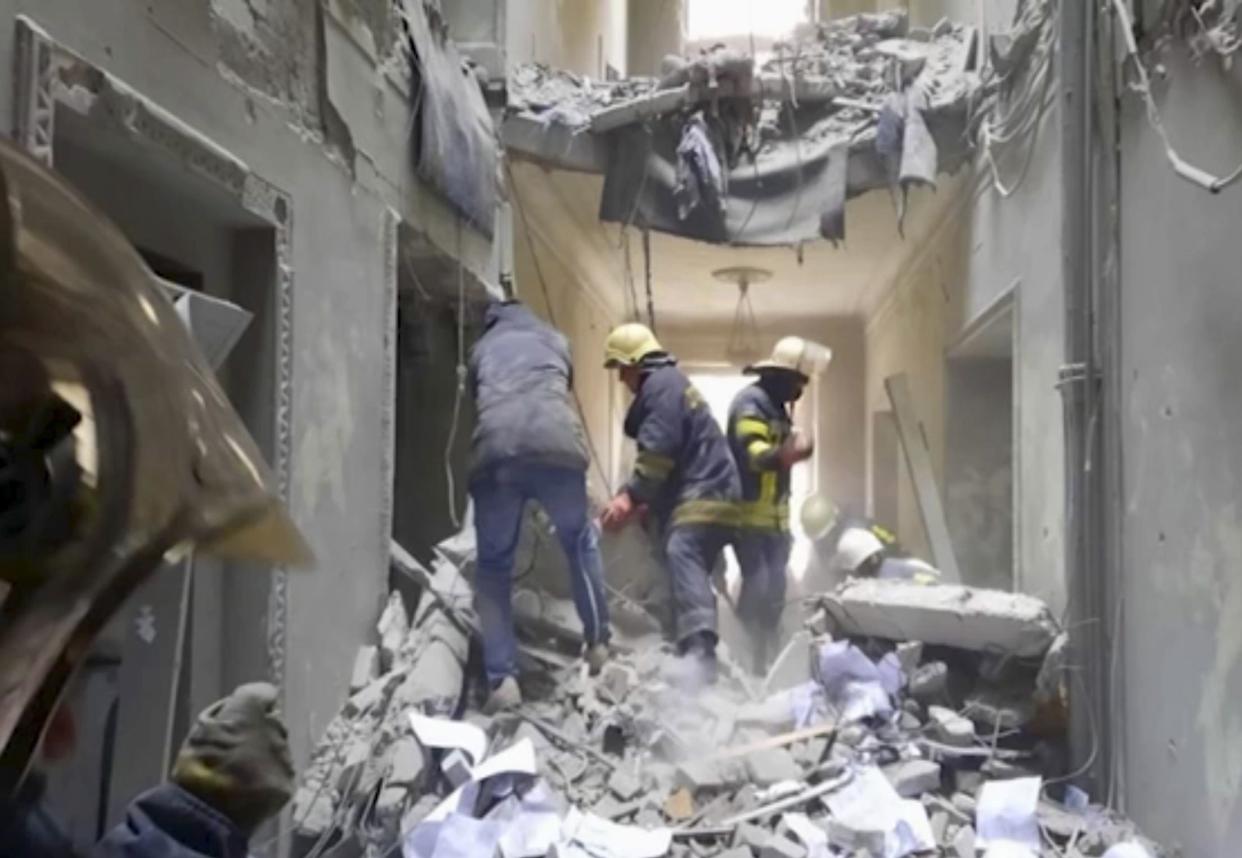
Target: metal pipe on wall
{"type": "Point", "coordinates": [1090, 742]}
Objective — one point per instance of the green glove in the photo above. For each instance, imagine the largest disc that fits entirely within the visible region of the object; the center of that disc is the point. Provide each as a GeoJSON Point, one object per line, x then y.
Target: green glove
{"type": "Point", "coordinates": [236, 758]}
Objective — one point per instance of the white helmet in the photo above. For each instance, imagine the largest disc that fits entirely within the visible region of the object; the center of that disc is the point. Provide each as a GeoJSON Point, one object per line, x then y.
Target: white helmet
{"type": "Point", "coordinates": [795, 354]}
{"type": "Point", "coordinates": [856, 546]}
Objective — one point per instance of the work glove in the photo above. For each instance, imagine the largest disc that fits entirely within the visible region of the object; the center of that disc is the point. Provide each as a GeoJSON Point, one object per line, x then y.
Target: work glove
{"type": "Point", "coordinates": [797, 448]}
{"type": "Point", "coordinates": [236, 758]}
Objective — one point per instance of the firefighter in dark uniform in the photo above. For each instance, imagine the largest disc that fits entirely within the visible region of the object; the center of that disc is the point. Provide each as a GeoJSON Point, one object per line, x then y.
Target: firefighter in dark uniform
{"type": "Point", "coordinates": [683, 474]}
{"type": "Point", "coordinates": [766, 446]}
{"type": "Point", "coordinates": [854, 546]}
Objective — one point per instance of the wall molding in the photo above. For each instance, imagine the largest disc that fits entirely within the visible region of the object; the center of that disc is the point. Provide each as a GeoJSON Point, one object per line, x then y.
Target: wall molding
{"type": "Point", "coordinates": [50, 75]}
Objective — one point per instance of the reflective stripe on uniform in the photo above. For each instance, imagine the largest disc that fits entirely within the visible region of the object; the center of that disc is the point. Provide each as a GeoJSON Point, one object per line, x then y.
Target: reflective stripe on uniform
{"type": "Point", "coordinates": [706, 512]}
{"type": "Point", "coordinates": [653, 466]}
{"type": "Point", "coordinates": [884, 534]}
{"type": "Point", "coordinates": [754, 427]}
{"type": "Point", "coordinates": [765, 516]}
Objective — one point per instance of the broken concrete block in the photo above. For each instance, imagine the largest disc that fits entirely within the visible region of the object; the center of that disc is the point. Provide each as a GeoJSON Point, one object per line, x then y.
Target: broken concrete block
{"type": "Point", "coordinates": [407, 763]}
{"type": "Point", "coordinates": [772, 766]}
{"type": "Point", "coordinates": [928, 683]}
{"type": "Point", "coordinates": [964, 843]}
{"type": "Point", "coordinates": [393, 627]}
{"type": "Point", "coordinates": [967, 781]}
{"type": "Point", "coordinates": [952, 615]}
{"type": "Point", "coordinates": [852, 735]}
{"type": "Point", "coordinates": [818, 623]}
{"type": "Point", "coordinates": [909, 654]}
{"type": "Point", "coordinates": [912, 778]}
{"type": "Point", "coordinates": [965, 804]}
{"type": "Point", "coordinates": [949, 727]}
{"type": "Point", "coordinates": [738, 852]}
{"type": "Point", "coordinates": [939, 825]}
{"type": "Point", "coordinates": [782, 847]}
{"type": "Point", "coordinates": [366, 668]}
{"type": "Point", "coordinates": [750, 836]}
{"type": "Point", "coordinates": [615, 682]}
{"type": "Point", "coordinates": [1003, 770]}
{"type": "Point", "coordinates": [624, 785]}
{"type": "Point", "coordinates": [910, 723]}
{"type": "Point", "coordinates": [792, 667]}
{"type": "Point", "coordinates": [679, 806]}
{"type": "Point", "coordinates": [709, 774]}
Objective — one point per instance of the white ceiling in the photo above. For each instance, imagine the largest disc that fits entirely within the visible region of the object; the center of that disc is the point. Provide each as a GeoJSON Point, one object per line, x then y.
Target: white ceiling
{"type": "Point", "coordinates": [562, 209]}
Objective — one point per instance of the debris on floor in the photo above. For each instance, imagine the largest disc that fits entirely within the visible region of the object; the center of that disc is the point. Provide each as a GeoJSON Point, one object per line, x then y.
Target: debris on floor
{"type": "Point", "coordinates": [924, 722]}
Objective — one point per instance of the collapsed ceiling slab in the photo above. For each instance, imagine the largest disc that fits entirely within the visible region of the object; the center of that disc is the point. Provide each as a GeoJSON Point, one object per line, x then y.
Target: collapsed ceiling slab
{"type": "Point", "coordinates": [724, 152]}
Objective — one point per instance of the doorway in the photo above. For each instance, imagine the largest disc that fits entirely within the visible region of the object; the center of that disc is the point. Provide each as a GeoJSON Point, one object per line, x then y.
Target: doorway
{"type": "Point", "coordinates": [979, 450]}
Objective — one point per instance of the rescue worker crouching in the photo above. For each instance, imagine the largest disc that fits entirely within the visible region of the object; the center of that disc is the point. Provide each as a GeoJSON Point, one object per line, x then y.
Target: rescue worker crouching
{"type": "Point", "coordinates": [766, 446]}
{"type": "Point", "coordinates": [529, 445]}
{"type": "Point", "coordinates": [683, 474]}
{"type": "Point", "coordinates": [852, 546]}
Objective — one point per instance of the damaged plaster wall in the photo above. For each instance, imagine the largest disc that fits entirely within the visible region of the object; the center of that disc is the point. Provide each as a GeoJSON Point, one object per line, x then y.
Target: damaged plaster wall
{"type": "Point", "coordinates": [586, 320]}
{"type": "Point", "coordinates": [585, 36]}
{"type": "Point", "coordinates": [1006, 246]}
{"type": "Point", "coordinates": [1182, 470]}
{"type": "Point", "coordinates": [248, 75]}
{"type": "Point", "coordinates": [656, 29]}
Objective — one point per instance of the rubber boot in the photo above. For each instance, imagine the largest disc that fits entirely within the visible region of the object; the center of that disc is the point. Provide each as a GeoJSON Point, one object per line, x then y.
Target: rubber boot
{"type": "Point", "coordinates": [597, 656]}
{"type": "Point", "coordinates": [507, 695]}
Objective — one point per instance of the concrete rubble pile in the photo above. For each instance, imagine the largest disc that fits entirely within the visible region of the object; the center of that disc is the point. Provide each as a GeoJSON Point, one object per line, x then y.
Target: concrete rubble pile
{"type": "Point", "coordinates": [902, 720]}
{"type": "Point", "coordinates": [894, 100]}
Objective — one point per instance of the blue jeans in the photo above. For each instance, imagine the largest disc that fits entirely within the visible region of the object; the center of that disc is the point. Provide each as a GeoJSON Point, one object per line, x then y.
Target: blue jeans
{"type": "Point", "coordinates": [500, 495]}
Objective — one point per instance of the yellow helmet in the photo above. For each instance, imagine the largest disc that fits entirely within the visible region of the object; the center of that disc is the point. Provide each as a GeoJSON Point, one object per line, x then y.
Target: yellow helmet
{"type": "Point", "coordinates": [795, 354]}
{"type": "Point", "coordinates": [819, 515]}
{"type": "Point", "coordinates": [628, 344]}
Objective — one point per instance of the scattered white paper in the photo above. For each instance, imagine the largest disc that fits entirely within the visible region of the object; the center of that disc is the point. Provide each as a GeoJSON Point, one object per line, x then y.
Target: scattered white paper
{"type": "Point", "coordinates": [443, 733]}
{"type": "Point", "coordinates": [463, 836]}
{"type": "Point", "coordinates": [586, 833]}
{"type": "Point", "coordinates": [806, 704]}
{"type": "Point", "coordinates": [913, 832]}
{"type": "Point", "coordinates": [1009, 849]}
{"type": "Point", "coordinates": [1006, 815]}
{"type": "Point", "coordinates": [532, 823]}
{"type": "Point", "coordinates": [855, 685]}
{"type": "Point", "coordinates": [422, 840]}
{"type": "Point", "coordinates": [870, 804]}
{"type": "Point", "coordinates": [1128, 850]}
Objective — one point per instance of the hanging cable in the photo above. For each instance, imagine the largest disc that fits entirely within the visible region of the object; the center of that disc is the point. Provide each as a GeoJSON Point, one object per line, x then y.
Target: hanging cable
{"type": "Point", "coordinates": [547, 300]}
{"type": "Point", "coordinates": [459, 394]}
{"type": "Point", "coordinates": [651, 321]}
{"type": "Point", "coordinates": [1189, 172]}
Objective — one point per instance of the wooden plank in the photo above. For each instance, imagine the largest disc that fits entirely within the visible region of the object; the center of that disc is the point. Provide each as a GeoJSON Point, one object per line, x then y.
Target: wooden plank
{"type": "Point", "coordinates": [775, 742]}
{"type": "Point", "coordinates": [918, 459]}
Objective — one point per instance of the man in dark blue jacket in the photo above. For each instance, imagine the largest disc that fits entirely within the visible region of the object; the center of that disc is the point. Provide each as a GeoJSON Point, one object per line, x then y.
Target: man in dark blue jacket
{"type": "Point", "coordinates": [683, 474]}
{"type": "Point", "coordinates": [529, 445]}
{"type": "Point", "coordinates": [232, 774]}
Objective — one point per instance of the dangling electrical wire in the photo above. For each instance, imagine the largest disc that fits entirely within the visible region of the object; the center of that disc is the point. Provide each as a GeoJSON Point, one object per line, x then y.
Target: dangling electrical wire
{"type": "Point", "coordinates": [651, 320]}
{"type": "Point", "coordinates": [547, 300]}
{"type": "Point", "coordinates": [459, 394]}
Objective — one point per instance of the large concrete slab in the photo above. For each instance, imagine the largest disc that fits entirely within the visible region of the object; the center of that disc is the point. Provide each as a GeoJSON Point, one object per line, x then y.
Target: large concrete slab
{"type": "Point", "coordinates": [966, 617]}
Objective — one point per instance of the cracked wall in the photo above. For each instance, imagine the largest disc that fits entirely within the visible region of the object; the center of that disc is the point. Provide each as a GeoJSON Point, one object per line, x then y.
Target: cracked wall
{"type": "Point", "coordinates": [271, 47]}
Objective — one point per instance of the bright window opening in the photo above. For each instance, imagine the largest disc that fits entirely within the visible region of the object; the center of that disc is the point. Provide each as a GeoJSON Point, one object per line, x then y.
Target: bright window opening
{"type": "Point", "coordinates": [717, 19]}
